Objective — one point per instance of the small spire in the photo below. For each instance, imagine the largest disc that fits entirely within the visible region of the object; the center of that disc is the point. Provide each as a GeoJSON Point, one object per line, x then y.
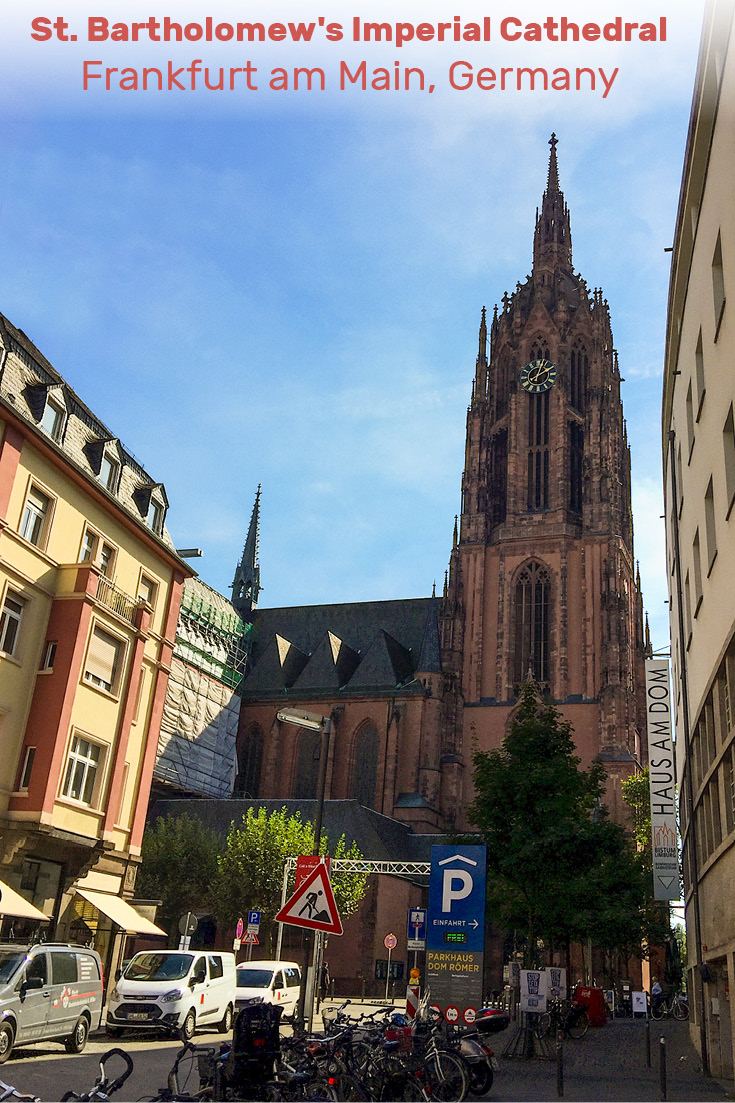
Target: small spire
{"type": "Point", "coordinates": [647, 638]}
{"type": "Point", "coordinates": [446, 583]}
{"type": "Point", "coordinates": [433, 588]}
{"type": "Point", "coordinates": [553, 177]}
{"type": "Point", "coordinates": [482, 351]}
{"type": "Point", "coordinates": [246, 583]}
{"type": "Point", "coordinates": [454, 537]}
{"type": "Point", "coordinates": [638, 575]}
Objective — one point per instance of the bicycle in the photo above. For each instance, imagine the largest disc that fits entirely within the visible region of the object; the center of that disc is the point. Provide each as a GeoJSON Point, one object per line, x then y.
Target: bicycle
{"type": "Point", "coordinates": [103, 1088]}
{"type": "Point", "coordinates": [7, 1091]}
{"type": "Point", "coordinates": [674, 1005]}
{"type": "Point", "coordinates": [569, 1018]}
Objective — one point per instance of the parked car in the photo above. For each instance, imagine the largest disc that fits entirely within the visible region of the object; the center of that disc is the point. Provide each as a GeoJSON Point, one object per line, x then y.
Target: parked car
{"type": "Point", "coordinates": [174, 990]}
{"type": "Point", "coordinates": [51, 991]}
{"type": "Point", "coordinates": [277, 982]}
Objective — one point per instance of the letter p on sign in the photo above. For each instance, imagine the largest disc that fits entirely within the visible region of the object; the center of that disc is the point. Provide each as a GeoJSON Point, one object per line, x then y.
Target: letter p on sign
{"type": "Point", "coordinates": [456, 885]}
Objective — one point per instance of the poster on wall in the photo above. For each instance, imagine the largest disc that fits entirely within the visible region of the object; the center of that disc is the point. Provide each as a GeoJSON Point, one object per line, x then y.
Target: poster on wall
{"type": "Point", "coordinates": [662, 780]}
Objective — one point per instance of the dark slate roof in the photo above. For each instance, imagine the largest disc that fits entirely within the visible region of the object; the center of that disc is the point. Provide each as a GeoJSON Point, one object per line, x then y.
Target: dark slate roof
{"type": "Point", "coordinates": [379, 838]}
{"type": "Point", "coordinates": [368, 645]}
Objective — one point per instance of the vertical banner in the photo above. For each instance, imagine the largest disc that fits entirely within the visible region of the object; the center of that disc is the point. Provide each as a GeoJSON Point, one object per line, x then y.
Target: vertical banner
{"type": "Point", "coordinates": [663, 781]}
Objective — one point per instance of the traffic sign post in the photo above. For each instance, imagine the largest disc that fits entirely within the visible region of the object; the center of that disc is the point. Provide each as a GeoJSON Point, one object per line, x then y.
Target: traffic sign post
{"type": "Point", "coordinates": [416, 939]}
{"type": "Point", "coordinates": [389, 942]}
{"type": "Point", "coordinates": [187, 925]}
{"type": "Point", "coordinates": [455, 937]}
{"type": "Point", "coordinates": [313, 905]}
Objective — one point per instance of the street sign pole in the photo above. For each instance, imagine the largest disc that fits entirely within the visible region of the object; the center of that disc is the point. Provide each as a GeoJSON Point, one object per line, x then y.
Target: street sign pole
{"type": "Point", "coordinates": [387, 976]}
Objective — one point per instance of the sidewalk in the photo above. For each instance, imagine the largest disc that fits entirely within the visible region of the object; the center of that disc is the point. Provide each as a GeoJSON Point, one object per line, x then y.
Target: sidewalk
{"type": "Point", "coordinates": [609, 1063]}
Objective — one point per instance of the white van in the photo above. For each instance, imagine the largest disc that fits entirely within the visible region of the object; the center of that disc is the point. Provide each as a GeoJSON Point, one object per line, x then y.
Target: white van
{"type": "Point", "coordinates": [174, 990]}
{"type": "Point", "coordinates": [277, 982]}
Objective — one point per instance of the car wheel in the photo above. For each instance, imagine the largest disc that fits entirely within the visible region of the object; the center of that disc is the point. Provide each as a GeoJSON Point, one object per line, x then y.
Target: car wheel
{"type": "Point", "coordinates": [225, 1025]}
{"type": "Point", "coordinates": [189, 1026]}
{"type": "Point", "coordinates": [6, 1041]}
{"type": "Point", "coordinates": [77, 1040]}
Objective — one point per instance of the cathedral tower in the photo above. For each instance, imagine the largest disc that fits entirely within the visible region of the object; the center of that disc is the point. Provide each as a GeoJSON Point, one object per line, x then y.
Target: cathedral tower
{"type": "Point", "coordinates": [542, 577]}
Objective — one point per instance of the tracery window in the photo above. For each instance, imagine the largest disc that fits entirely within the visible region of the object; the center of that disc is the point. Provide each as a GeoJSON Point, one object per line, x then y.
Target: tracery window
{"type": "Point", "coordinates": [497, 477]}
{"type": "Point", "coordinates": [576, 456]}
{"type": "Point", "coordinates": [578, 372]}
{"type": "Point", "coordinates": [532, 617]}
{"type": "Point", "coordinates": [307, 766]}
{"type": "Point", "coordinates": [250, 763]}
{"type": "Point", "coordinates": [365, 771]}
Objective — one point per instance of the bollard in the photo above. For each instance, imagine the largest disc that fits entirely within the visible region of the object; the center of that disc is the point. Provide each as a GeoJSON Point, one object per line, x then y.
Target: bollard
{"type": "Point", "coordinates": [662, 1067]}
{"type": "Point", "coordinates": [559, 1067]}
{"type": "Point", "coordinates": [648, 1042]}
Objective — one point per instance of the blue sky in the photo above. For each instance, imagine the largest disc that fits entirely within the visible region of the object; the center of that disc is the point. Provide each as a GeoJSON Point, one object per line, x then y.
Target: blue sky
{"type": "Point", "coordinates": [285, 288]}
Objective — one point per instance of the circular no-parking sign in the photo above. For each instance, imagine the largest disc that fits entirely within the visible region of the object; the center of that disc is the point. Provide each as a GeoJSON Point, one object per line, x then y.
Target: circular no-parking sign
{"type": "Point", "coordinates": [390, 941]}
{"type": "Point", "coordinates": [451, 1014]}
{"type": "Point", "coordinates": [239, 929]}
{"type": "Point", "coordinates": [469, 1015]}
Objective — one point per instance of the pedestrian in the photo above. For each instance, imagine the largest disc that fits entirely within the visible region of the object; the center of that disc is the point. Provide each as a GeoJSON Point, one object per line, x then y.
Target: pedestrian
{"type": "Point", "coordinates": [323, 983]}
{"type": "Point", "coordinates": [657, 994]}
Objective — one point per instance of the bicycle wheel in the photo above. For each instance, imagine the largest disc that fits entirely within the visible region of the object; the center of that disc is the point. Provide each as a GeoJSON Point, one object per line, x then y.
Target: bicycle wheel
{"type": "Point", "coordinates": [446, 1076]}
{"type": "Point", "coordinates": [681, 1010]}
{"type": "Point", "coordinates": [657, 1012]}
{"type": "Point", "coordinates": [545, 1025]}
{"type": "Point", "coordinates": [578, 1024]}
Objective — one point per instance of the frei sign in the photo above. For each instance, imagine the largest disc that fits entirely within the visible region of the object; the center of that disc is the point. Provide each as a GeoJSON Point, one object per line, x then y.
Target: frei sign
{"type": "Point", "coordinates": [662, 781]}
{"type": "Point", "coordinates": [455, 940]}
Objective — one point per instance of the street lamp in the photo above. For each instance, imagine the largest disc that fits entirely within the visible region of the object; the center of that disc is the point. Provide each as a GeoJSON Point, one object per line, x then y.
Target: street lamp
{"type": "Point", "coordinates": [312, 722]}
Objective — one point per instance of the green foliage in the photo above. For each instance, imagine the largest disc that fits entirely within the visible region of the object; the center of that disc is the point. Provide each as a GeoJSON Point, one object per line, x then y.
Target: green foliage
{"type": "Point", "coordinates": [179, 864]}
{"type": "Point", "coordinates": [558, 869]}
{"type": "Point", "coordinates": [250, 871]}
{"type": "Point", "coordinates": [637, 795]}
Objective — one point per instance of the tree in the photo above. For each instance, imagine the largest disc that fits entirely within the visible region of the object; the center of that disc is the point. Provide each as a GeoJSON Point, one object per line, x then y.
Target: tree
{"type": "Point", "coordinates": [558, 868]}
{"type": "Point", "coordinates": [250, 871]}
{"type": "Point", "coordinates": [179, 864]}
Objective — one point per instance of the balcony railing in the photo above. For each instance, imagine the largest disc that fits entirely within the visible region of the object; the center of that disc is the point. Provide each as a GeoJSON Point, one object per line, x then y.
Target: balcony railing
{"type": "Point", "coordinates": [116, 599]}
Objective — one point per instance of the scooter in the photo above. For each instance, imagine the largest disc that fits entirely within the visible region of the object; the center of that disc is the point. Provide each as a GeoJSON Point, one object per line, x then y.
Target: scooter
{"type": "Point", "coordinates": [479, 1059]}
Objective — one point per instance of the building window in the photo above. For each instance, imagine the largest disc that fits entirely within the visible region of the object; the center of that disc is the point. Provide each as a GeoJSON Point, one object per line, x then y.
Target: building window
{"type": "Point", "coordinates": [687, 610]}
{"type": "Point", "coordinates": [718, 284]}
{"type": "Point", "coordinates": [98, 551]}
{"type": "Point", "coordinates": [49, 655]}
{"type": "Point", "coordinates": [699, 374]}
{"type": "Point", "coordinates": [10, 618]}
{"type": "Point", "coordinates": [728, 444]}
{"type": "Point", "coordinates": [538, 451]}
{"type": "Point", "coordinates": [578, 369]}
{"type": "Point", "coordinates": [365, 772]}
{"type": "Point", "coordinates": [498, 476]}
{"type": "Point", "coordinates": [147, 590]}
{"type": "Point", "coordinates": [250, 762]}
{"type": "Point", "coordinates": [82, 769]}
{"type": "Point", "coordinates": [108, 473]}
{"type": "Point", "coordinates": [307, 766]}
{"type": "Point", "coordinates": [25, 773]}
{"type": "Point", "coordinates": [52, 421]}
{"type": "Point", "coordinates": [532, 608]}
{"type": "Point", "coordinates": [104, 660]}
{"type": "Point", "coordinates": [710, 530]}
{"type": "Point", "coordinates": [690, 421]}
{"type": "Point", "coordinates": [155, 516]}
{"type": "Point", "coordinates": [576, 456]}
{"type": "Point", "coordinates": [36, 514]}
{"type": "Point", "coordinates": [697, 562]}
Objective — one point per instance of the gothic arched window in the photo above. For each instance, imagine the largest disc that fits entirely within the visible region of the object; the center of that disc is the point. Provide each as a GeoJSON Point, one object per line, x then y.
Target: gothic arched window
{"type": "Point", "coordinates": [578, 372]}
{"type": "Point", "coordinates": [307, 766]}
{"type": "Point", "coordinates": [249, 764]}
{"type": "Point", "coordinates": [538, 438]}
{"type": "Point", "coordinates": [532, 616]}
{"type": "Point", "coordinates": [365, 772]}
{"type": "Point", "coordinates": [497, 477]}
{"type": "Point", "coordinates": [576, 456]}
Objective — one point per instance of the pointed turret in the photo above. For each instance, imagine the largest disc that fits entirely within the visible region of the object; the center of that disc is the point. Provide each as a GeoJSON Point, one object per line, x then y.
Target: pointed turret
{"type": "Point", "coordinates": [552, 242]}
{"type": "Point", "coordinates": [246, 583]}
{"type": "Point", "coordinates": [480, 387]}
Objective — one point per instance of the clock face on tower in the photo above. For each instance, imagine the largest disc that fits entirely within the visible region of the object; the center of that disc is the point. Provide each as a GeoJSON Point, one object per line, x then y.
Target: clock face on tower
{"type": "Point", "coordinates": [539, 375]}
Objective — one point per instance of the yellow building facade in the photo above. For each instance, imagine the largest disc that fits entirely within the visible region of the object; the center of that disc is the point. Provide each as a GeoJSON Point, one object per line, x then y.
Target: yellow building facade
{"type": "Point", "coordinates": [90, 588]}
{"type": "Point", "coordinates": [699, 470]}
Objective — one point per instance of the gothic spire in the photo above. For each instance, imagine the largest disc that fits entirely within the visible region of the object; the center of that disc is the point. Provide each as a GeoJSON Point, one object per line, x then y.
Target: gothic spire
{"type": "Point", "coordinates": [552, 241]}
{"type": "Point", "coordinates": [480, 386]}
{"type": "Point", "coordinates": [246, 584]}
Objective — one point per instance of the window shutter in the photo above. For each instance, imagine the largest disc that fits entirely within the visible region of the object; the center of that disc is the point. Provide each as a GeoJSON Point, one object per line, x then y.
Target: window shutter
{"type": "Point", "coordinates": [103, 655]}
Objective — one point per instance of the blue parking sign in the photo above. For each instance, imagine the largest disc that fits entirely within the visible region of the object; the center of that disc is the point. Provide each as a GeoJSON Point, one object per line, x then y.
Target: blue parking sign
{"type": "Point", "coordinates": [253, 919]}
{"type": "Point", "coordinates": [457, 898]}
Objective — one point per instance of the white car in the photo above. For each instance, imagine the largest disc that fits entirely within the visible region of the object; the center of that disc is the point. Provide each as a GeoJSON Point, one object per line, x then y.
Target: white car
{"type": "Point", "coordinates": [277, 982]}
{"type": "Point", "coordinates": [174, 990]}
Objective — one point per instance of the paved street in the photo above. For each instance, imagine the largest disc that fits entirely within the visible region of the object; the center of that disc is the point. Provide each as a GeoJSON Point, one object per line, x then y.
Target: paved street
{"type": "Point", "coordinates": [608, 1064]}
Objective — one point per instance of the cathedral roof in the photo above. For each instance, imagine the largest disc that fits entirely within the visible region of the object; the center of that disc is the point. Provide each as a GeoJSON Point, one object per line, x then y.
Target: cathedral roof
{"type": "Point", "coordinates": [356, 647]}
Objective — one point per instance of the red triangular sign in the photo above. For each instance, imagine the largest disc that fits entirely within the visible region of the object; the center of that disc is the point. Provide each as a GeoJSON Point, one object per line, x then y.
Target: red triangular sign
{"type": "Point", "coordinates": [250, 939]}
{"type": "Point", "coordinates": [313, 905]}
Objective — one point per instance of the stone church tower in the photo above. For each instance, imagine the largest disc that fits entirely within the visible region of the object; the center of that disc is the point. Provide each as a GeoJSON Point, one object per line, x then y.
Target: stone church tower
{"type": "Point", "coordinates": [542, 576]}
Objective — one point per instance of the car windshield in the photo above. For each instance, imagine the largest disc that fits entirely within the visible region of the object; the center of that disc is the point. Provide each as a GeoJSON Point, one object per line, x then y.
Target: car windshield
{"type": "Point", "coordinates": [9, 962]}
{"type": "Point", "coordinates": [254, 978]}
{"type": "Point", "coordinates": [158, 967]}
